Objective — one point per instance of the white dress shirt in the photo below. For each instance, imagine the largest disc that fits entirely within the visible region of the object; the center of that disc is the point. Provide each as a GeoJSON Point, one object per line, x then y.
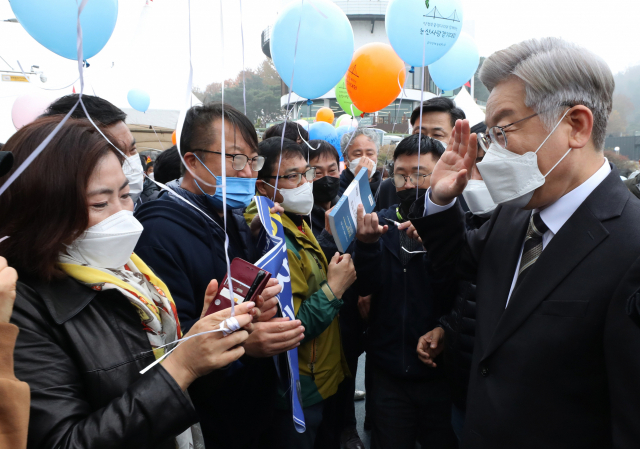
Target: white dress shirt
{"type": "Point", "coordinates": [554, 216]}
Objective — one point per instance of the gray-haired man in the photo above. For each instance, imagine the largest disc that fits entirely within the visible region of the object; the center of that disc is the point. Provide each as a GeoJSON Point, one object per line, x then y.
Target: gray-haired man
{"type": "Point", "coordinates": [360, 149]}
{"type": "Point", "coordinates": [555, 363]}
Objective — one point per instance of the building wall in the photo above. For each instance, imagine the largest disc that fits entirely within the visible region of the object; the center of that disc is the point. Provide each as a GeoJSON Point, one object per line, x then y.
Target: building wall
{"type": "Point", "coordinates": [363, 7]}
{"type": "Point", "coordinates": [629, 146]}
{"type": "Point", "coordinates": [362, 34]}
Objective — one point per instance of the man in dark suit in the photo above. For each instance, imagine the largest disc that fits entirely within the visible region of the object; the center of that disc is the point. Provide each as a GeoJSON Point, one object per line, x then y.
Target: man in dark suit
{"type": "Point", "coordinates": [556, 361]}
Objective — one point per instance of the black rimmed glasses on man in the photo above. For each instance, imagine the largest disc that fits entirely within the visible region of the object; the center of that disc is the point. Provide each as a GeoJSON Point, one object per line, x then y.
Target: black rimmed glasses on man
{"type": "Point", "coordinates": [240, 161]}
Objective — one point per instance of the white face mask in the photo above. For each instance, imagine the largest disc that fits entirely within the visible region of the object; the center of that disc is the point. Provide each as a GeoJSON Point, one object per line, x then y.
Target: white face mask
{"type": "Point", "coordinates": [513, 178]}
{"type": "Point", "coordinates": [299, 200]}
{"type": "Point", "coordinates": [132, 169]}
{"type": "Point", "coordinates": [478, 198]}
{"type": "Point", "coordinates": [108, 244]}
{"type": "Point", "coordinates": [354, 164]}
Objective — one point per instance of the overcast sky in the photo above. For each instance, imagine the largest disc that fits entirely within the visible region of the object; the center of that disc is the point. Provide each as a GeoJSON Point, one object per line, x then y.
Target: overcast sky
{"type": "Point", "coordinates": [609, 28]}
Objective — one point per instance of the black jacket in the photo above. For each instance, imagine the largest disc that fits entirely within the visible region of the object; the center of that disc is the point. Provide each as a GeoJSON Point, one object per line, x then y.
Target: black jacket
{"type": "Point", "coordinates": [387, 195]}
{"type": "Point", "coordinates": [150, 191]}
{"type": "Point", "coordinates": [407, 302]}
{"type": "Point", "coordinates": [559, 366]}
{"type": "Point", "coordinates": [81, 351]}
{"type": "Point", "coordinates": [460, 329]}
{"type": "Point", "coordinates": [186, 250]}
{"type": "Point", "coordinates": [324, 238]}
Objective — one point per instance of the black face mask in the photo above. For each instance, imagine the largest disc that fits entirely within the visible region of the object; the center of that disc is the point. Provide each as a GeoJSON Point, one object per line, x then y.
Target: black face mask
{"type": "Point", "coordinates": [407, 197]}
{"type": "Point", "coordinates": [325, 189]}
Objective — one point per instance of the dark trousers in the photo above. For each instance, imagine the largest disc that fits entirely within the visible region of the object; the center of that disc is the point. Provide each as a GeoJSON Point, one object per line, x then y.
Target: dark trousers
{"type": "Point", "coordinates": [322, 420]}
{"type": "Point", "coordinates": [406, 411]}
{"type": "Point", "coordinates": [284, 435]}
{"type": "Point", "coordinates": [352, 329]}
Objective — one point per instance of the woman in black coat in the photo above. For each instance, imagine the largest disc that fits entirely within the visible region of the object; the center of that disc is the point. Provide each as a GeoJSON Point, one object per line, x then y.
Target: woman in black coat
{"type": "Point", "coordinates": [91, 314]}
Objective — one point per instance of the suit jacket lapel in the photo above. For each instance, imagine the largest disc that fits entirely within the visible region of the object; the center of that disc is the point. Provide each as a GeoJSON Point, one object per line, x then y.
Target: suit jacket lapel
{"type": "Point", "coordinates": [580, 235]}
{"type": "Point", "coordinates": [498, 264]}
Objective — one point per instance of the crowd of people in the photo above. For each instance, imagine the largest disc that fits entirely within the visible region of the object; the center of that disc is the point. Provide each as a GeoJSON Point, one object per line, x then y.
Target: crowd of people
{"type": "Point", "coordinates": [495, 288]}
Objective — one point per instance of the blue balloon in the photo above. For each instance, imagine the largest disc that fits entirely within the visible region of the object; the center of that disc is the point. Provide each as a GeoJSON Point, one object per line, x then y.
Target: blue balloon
{"type": "Point", "coordinates": [342, 130]}
{"type": "Point", "coordinates": [458, 66]}
{"type": "Point", "coordinates": [422, 31]}
{"type": "Point", "coordinates": [325, 131]}
{"type": "Point", "coordinates": [53, 24]}
{"type": "Point", "coordinates": [324, 50]}
{"type": "Point", "coordinates": [139, 99]}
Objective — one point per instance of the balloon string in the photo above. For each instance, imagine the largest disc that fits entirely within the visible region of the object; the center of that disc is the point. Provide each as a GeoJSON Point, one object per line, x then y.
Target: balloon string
{"type": "Point", "coordinates": [185, 107]}
{"type": "Point", "coordinates": [244, 87]}
{"type": "Point", "coordinates": [157, 137]}
{"type": "Point", "coordinates": [424, 43]}
{"type": "Point", "coordinates": [22, 70]}
{"type": "Point", "coordinates": [400, 103]}
{"type": "Point", "coordinates": [223, 165]}
{"type": "Point", "coordinates": [353, 133]}
{"type": "Point", "coordinates": [40, 148]}
{"type": "Point", "coordinates": [293, 71]}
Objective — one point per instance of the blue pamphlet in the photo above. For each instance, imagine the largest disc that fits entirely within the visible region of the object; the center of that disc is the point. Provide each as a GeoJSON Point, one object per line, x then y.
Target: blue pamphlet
{"type": "Point", "coordinates": [343, 219]}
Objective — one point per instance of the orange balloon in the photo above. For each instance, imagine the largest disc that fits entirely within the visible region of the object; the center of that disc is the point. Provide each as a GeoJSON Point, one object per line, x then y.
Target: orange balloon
{"type": "Point", "coordinates": [324, 115]}
{"type": "Point", "coordinates": [374, 77]}
{"type": "Point", "coordinates": [173, 138]}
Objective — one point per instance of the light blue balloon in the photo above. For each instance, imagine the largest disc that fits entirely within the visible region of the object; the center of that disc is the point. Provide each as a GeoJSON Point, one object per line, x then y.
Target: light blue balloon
{"type": "Point", "coordinates": [458, 66]}
{"type": "Point", "coordinates": [324, 50]}
{"type": "Point", "coordinates": [342, 130]}
{"type": "Point", "coordinates": [325, 131]}
{"type": "Point", "coordinates": [53, 24]}
{"type": "Point", "coordinates": [414, 25]}
{"type": "Point", "coordinates": [139, 99]}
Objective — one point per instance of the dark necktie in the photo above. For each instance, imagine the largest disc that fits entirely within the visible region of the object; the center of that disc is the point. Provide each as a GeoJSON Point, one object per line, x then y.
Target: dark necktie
{"type": "Point", "coordinates": [532, 246]}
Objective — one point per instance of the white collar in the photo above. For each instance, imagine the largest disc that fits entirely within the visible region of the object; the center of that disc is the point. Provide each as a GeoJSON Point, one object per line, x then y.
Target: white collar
{"type": "Point", "coordinates": [556, 215]}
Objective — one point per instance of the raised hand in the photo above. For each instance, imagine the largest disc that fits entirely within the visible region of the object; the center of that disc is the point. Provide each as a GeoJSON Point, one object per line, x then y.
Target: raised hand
{"type": "Point", "coordinates": [453, 170]}
{"type": "Point", "coordinates": [341, 274]}
{"type": "Point", "coordinates": [201, 355]}
{"type": "Point", "coordinates": [368, 228]}
{"type": "Point", "coordinates": [327, 224]}
{"type": "Point", "coordinates": [365, 162]}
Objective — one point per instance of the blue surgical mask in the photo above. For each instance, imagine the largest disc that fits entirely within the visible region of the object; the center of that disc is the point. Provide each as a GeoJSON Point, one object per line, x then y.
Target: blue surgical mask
{"type": "Point", "coordinates": [240, 191]}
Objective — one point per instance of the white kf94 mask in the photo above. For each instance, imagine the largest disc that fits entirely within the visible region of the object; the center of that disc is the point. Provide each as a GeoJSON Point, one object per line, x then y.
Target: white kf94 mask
{"type": "Point", "coordinates": [513, 178]}
{"type": "Point", "coordinates": [478, 198]}
{"type": "Point", "coordinates": [299, 200]}
{"type": "Point", "coordinates": [108, 244]}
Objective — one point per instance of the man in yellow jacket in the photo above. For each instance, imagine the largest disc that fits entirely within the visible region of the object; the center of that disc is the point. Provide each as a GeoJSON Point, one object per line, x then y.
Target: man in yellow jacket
{"type": "Point", "coordinates": [317, 288]}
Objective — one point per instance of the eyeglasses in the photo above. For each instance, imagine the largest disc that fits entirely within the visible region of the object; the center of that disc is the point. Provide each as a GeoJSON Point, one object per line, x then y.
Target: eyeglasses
{"type": "Point", "coordinates": [417, 179]}
{"type": "Point", "coordinates": [309, 175]}
{"type": "Point", "coordinates": [240, 161]}
{"type": "Point", "coordinates": [498, 134]}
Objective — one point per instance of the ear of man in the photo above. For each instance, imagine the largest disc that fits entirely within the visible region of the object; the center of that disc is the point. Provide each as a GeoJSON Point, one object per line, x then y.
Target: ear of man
{"type": "Point", "coordinates": [581, 120]}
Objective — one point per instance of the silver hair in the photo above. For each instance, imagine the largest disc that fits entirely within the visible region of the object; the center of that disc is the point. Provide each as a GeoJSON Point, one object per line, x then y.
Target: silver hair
{"type": "Point", "coordinates": [369, 133]}
{"type": "Point", "coordinates": [557, 74]}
